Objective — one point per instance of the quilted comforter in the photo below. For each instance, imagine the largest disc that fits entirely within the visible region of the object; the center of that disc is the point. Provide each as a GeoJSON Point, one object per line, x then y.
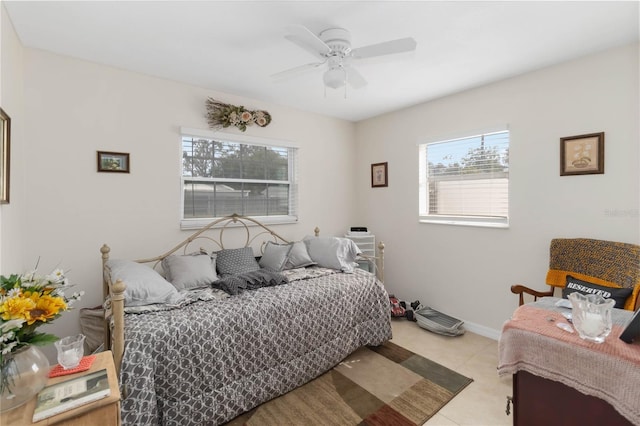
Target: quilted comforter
{"type": "Point", "coordinates": [209, 361]}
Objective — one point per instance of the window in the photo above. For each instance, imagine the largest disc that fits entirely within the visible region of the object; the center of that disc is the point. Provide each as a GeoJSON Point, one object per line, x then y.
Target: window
{"type": "Point", "coordinates": [465, 181]}
{"type": "Point", "coordinates": [223, 175]}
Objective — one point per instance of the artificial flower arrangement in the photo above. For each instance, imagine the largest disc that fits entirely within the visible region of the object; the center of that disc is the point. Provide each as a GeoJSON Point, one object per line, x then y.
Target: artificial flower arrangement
{"type": "Point", "coordinates": [221, 115]}
{"type": "Point", "coordinates": [26, 302]}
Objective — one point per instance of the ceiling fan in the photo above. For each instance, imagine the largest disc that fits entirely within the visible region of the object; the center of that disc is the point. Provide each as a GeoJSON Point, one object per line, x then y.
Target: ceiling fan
{"type": "Point", "coordinates": [333, 48]}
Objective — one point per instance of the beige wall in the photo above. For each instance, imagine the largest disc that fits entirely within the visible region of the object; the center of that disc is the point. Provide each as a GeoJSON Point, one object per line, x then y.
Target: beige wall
{"type": "Point", "coordinates": [465, 271]}
{"type": "Point", "coordinates": [62, 210]}
{"type": "Point", "coordinates": [12, 223]}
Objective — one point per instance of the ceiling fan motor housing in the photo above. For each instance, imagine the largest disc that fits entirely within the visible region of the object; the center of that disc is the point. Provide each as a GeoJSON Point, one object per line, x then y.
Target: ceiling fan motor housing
{"type": "Point", "coordinates": [338, 39]}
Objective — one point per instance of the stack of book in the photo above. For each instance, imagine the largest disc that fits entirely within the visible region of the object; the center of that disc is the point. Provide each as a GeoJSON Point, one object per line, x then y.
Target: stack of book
{"type": "Point", "coordinates": [72, 393]}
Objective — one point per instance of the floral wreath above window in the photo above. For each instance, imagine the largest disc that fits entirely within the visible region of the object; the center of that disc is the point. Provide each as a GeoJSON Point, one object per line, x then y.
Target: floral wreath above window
{"type": "Point", "coordinates": [221, 115]}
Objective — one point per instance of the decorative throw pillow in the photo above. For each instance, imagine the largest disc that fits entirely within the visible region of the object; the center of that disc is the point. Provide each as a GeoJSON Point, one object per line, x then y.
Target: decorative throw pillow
{"type": "Point", "coordinates": [144, 286]}
{"type": "Point", "coordinates": [333, 252]}
{"type": "Point", "coordinates": [236, 261]}
{"type": "Point", "coordinates": [275, 256]}
{"type": "Point", "coordinates": [298, 256]}
{"type": "Point", "coordinates": [618, 294]}
{"type": "Point", "coordinates": [190, 271]}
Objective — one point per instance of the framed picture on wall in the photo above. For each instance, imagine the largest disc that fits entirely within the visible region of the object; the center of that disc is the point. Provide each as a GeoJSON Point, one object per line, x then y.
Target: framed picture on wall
{"type": "Point", "coordinates": [582, 155]}
{"type": "Point", "coordinates": [117, 162]}
{"type": "Point", "coordinates": [379, 175]}
{"type": "Point", "coordinates": [5, 145]}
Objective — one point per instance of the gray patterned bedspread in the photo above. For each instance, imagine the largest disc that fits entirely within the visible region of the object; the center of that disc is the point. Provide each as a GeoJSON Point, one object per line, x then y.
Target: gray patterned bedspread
{"type": "Point", "coordinates": [209, 361]}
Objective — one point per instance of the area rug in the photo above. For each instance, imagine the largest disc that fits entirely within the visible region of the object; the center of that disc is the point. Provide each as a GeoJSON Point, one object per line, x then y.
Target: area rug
{"type": "Point", "coordinates": [383, 385]}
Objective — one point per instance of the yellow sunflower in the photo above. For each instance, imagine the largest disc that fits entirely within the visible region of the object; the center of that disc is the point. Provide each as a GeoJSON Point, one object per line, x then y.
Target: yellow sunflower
{"type": "Point", "coordinates": [17, 307]}
{"type": "Point", "coordinates": [45, 307]}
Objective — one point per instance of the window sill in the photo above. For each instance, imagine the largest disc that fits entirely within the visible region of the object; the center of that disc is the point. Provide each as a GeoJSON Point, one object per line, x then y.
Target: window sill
{"type": "Point", "coordinates": [457, 221]}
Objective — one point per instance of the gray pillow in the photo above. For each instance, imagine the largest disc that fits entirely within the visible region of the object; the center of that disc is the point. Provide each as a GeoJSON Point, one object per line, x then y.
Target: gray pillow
{"type": "Point", "coordinates": [274, 256]}
{"type": "Point", "coordinates": [190, 271]}
{"type": "Point", "coordinates": [298, 256]}
{"type": "Point", "coordinates": [144, 286]}
{"type": "Point", "coordinates": [333, 252]}
{"type": "Point", "coordinates": [236, 261]}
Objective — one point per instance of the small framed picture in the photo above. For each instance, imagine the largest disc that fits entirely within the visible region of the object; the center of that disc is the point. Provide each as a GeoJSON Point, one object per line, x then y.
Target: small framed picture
{"type": "Point", "coordinates": [379, 175]}
{"type": "Point", "coordinates": [116, 162]}
{"type": "Point", "coordinates": [582, 155]}
{"type": "Point", "coordinates": [5, 148]}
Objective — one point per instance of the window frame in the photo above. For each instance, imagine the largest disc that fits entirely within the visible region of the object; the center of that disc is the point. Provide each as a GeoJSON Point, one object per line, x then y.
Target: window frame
{"type": "Point", "coordinates": [485, 221]}
{"type": "Point", "coordinates": [291, 217]}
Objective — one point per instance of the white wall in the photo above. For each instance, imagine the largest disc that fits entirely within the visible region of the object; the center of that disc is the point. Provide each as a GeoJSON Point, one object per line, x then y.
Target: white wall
{"type": "Point", "coordinates": [12, 221]}
{"type": "Point", "coordinates": [467, 271]}
{"type": "Point", "coordinates": [74, 108]}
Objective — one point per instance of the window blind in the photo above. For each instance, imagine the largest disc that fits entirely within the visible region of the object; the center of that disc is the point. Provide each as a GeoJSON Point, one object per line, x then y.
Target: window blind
{"type": "Point", "coordinates": [221, 176]}
{"type": "Point", "coordinates": [465, 180]}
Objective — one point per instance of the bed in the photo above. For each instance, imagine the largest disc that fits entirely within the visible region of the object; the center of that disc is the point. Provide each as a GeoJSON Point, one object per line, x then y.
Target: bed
{"type": "Point", "coordinates": [204, 353]}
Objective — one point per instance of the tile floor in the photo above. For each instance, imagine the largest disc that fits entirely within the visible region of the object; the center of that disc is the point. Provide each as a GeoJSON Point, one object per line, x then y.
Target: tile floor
{"type": "Point", "coordinates": [481, 403]}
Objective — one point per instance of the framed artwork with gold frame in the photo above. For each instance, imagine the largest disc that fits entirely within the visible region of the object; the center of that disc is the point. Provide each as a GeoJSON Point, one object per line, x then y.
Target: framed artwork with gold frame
{"type": "Point", "coordinates": [5, 156]}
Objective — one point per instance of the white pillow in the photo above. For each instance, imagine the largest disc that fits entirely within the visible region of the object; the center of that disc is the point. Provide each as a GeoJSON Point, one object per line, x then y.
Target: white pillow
{"type": "Point", "coordinates": [299, 256]}
{"type": "Point", "coordinates": [144, 286]}
{"type": "Point", "coordinates": [333, 252]}
{"type": "Point", "coordinates": [275, 256]}
{"type": "Point", "coordinates": [190, 271]}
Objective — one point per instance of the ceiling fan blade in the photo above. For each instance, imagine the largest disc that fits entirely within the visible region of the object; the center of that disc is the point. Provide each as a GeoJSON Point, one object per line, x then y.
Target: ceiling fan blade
{"type": "Point", "coordinates": [355, 79]}
{"type": "Point", "coordinates": [304, 45]}
{"type": "Point", "coordinates": [296, 70]}
{"type": "Point", "coordinates": [386, 48]}
{"type": "Point", "coordinates": [304, 38]}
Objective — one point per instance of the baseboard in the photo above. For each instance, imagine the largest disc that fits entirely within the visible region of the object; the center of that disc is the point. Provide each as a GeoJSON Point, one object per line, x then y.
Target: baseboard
{"type": "Point", "coordinates": [482, 330]}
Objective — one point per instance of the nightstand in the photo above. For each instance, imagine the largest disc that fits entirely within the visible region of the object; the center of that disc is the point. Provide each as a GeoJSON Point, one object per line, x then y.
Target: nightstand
{"type": "Point", "coordinates": [105, 411]}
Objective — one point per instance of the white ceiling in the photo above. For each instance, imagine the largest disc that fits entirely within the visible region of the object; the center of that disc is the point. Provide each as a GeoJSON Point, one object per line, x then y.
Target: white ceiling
{"type": "Point", "coordinates": [235, 46]}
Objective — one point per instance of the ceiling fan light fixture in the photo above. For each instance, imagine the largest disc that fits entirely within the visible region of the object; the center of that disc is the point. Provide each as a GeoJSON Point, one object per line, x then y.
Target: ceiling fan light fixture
{"type": "Point", "coordinates": [335, 77]}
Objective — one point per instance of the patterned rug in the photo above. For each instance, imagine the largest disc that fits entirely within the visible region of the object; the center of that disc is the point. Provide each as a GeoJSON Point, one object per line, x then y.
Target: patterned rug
{"type": "Point", "coordinates": [384, 385]}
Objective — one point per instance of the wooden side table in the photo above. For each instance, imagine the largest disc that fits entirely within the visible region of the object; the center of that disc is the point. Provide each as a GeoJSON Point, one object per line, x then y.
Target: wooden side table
{"type": "Point", "coordinates": [562, 379]}
{"type": "Point", "coordinates": [105, 411]}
